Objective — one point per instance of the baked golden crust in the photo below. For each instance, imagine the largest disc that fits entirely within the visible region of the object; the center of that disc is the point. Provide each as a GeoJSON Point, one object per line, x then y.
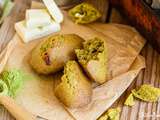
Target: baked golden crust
{"type": "Point", "coordinates": [75, 90]}
{"type": "Point", "coordinates": [93, 58]}
{"type": "Point", "coordinates": [52, 53]}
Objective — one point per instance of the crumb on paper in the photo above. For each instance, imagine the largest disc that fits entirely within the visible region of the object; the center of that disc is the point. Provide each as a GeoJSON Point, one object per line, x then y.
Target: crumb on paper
{"type": "Point", "coordinates": [111, 114]}
{"type": "Point", "coordinates": [130, 100]}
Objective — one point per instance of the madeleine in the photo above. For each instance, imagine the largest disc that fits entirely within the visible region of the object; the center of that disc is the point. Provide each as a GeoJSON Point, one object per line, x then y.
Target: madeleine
{"type": "Point", "coordinates": [93, 59]}
{"type": "Point", "coordinates": [75, 89]}
{"type": "Point", "coordinates": [53, 52]}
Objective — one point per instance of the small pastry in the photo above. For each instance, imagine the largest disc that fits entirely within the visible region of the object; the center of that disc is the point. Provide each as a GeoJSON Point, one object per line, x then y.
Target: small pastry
{"type": "Point", "coordinates": [75, 89]}
{"type": "Point", "coordinates": [93, 58]}
{"type": "Point", "coordinates": [52, 53]}
{"type": "Point", "coordinates": [84, 13]}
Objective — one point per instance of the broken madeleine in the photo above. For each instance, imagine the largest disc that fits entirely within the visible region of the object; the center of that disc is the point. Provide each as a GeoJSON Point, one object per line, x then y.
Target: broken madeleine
{"type": "Point", "coordinates": [84, 13]}
{"type": "Point", "coordinates": [75, 89]}
{"type": "Point", "coordinates": [93, 58]}
{"type": "Point", "coordinates": [52, 53]}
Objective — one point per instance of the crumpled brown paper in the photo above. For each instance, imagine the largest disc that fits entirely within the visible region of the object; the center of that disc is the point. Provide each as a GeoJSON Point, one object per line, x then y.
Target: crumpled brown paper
{"type": "Point", "coordinates": [37, 96]}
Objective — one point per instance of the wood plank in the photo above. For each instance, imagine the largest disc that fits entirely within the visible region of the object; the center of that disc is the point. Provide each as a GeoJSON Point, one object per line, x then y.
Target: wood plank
{"type": "Point", "coordinates": [6, 33]}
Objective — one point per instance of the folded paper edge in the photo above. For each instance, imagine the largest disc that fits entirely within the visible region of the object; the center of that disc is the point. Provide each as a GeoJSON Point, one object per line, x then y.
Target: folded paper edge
{"type": "Point", "coordinates": [4, 55]}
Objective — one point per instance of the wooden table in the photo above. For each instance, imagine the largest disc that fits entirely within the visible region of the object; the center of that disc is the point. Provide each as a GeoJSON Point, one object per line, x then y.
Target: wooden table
{"type": "Point", "coordinates": [151, 75]}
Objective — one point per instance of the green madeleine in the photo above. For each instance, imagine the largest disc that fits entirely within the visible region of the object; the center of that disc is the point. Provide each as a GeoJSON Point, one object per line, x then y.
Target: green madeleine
{"type": "Point", "coordinates": [51, 54]}
{"type": "Point", "coordinates": [75, 90]}
{"type": "Point", "coordinates": [84, 13]}
{"type": "Point", "coordinates": [93, 59]}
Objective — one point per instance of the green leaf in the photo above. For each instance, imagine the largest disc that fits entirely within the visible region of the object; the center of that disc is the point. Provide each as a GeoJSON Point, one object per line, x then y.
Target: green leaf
{"type": "Point", "coordinates": [147, 93]}
{"type": "Point", "coordinates": [14, 80]}
{"type": "Point", "coordinates": [130, 100]}
{"type": "Point", "coordinates": [3, 88]}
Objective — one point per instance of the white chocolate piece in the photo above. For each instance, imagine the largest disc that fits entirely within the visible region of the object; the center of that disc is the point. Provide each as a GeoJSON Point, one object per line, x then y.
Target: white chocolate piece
{"type": "Point", "coordinates": [54, 10]}
{"type": "Point", "coordinates": [36, 33]}
{"type": "Point", "coordinates": [37, 18]}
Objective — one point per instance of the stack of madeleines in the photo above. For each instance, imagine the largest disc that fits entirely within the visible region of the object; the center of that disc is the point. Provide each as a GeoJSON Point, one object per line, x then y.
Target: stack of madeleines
{"type": "Point", "coordinates": [82, 61]}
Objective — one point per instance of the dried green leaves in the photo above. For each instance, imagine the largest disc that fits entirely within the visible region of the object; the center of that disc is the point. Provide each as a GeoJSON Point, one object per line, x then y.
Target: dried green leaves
{"type": "Point", "coordinates": [146, 93]}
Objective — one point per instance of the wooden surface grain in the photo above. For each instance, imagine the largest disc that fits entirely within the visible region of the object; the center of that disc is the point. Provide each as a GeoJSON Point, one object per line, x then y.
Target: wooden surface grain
{"type": "Point", "coordinates": [151, 75]}
{"type": "Point", "coordinates": [6, 33]}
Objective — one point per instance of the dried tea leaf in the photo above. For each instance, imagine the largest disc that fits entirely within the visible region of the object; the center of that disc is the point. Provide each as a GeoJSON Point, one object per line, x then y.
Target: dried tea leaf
{"type": "Point", "coordinates": [111, 114]}
{"type": "Point", "coordinates": [130, 100]}
{"type": "Point", "coordinates": [3, 88]}
{"type": "Point", "coordinates": [147, 93]}
{"type": "Point", "coordinates": [94, 59]}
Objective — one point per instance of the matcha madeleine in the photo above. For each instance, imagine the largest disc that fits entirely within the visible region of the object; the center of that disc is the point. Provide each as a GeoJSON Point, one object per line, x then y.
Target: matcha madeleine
{"type": "Point", "coordinates": [93, 58]}
{"type": "Point", "coordinates": [75, 89]}
{"type": "Point", "coordinates": [84, 13]}
{"type": "Point", "coordinates": [52, 53]}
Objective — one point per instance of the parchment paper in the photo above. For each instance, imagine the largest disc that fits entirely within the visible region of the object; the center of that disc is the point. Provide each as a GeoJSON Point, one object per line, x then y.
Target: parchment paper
{"type": "Point", "coordinates": [37, 96]}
